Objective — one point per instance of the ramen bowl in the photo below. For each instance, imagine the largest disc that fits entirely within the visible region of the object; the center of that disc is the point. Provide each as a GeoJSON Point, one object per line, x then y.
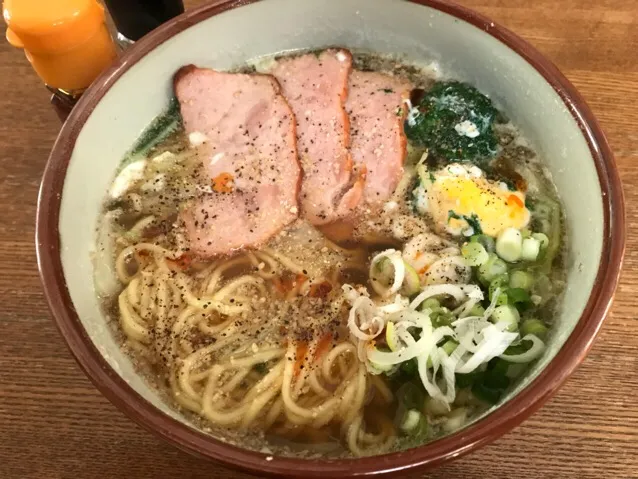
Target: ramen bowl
{"type": "Point", "coordinates": [225, 34]}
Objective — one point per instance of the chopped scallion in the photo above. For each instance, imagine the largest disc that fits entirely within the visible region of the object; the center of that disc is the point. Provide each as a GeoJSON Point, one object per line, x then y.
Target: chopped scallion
{"type": "Point", "coordinates": [475, 254]}
{"type": "Point", "coordinates": [509, 244]}
{"type": "Point", "coordinates": [535, 327]}
{"type": "Point", "coordinates": [507, 315]}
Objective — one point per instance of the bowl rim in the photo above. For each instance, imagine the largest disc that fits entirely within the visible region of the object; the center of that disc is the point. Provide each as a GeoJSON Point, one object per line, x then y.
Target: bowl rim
{"type": "Point", "coordinates": [495, 424]}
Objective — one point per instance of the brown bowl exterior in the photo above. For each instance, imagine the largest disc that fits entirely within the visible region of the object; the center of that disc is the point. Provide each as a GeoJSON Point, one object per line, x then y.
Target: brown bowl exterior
{"type": "Point", "coordinates": [472, 437]}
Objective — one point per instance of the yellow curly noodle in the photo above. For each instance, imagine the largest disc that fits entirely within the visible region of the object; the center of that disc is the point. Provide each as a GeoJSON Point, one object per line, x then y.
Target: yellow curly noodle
{"type": "Point", "coordinates": [199, 325]}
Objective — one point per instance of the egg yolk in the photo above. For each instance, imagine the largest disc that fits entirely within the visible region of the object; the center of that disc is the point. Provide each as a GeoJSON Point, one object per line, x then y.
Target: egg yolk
{"type": "Point", "coordinates": [452, 198]}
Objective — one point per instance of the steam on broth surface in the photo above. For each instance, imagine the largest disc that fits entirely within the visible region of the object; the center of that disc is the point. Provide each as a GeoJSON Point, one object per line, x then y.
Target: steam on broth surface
{"type": "Point", "coordinates": [348, 257]}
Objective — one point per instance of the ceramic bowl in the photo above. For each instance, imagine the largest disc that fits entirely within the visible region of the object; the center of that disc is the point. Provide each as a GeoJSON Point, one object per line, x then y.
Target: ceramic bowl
{"type": "Point", "coordinates": [224, 34]}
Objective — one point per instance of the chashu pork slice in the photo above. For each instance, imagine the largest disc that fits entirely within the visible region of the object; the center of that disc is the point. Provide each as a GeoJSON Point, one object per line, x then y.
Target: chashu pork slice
{"type": "Point", "coordinates": [316, 87]}
{"type": "Point", "coordinates": [246, 132]}
{"type": "Point", "coordinates": [377, 139]}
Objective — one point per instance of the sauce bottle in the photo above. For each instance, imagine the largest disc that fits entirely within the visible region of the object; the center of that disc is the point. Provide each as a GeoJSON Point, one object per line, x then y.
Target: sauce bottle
{"type": "Point", "coordinates": [135, 18]}
{"type": "Point", "coordinates": [66, 41]}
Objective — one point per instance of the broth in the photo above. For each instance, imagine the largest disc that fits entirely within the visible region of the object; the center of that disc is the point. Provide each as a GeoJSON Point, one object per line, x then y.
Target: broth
{"type": "Point", "coordinates": [295, 347]}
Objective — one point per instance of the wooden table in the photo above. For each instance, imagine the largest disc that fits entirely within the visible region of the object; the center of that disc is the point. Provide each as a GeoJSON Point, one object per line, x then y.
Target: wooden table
{"type": "Point", "coordinates": [55, 424]}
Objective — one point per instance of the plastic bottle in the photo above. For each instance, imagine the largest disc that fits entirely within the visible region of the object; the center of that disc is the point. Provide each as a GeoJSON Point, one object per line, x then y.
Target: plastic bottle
{"type": "Point", "coordinates": [66, 41]}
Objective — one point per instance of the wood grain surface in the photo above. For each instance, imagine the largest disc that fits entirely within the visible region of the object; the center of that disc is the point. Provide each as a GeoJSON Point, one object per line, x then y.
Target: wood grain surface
{"type": "Point", "coordinates": [54, 423]}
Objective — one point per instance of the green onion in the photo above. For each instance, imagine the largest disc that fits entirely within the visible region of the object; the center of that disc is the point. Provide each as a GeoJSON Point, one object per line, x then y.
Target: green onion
{"type": "Point", "coordinates": [449, 346]}
{"type": "Point", "coordinates": [542, 239]}
{"type": "Point", "coordinates": [475, 254]}
{"type": "Point", "coordinates": [412, 422]}
{"type": "Point", "coordinates": [501, 284]}
{"type": "Point", "coordinates": [411, 282]}
{"type": "Point", "coordinates": [521, 279]}
{"type": "Point", "coordinates": [494, 267]}
{"type": "Point", "coordinates": [477, 310]}
{"type": "Point", "coordinates": [442, 317]}
{"type": "Point", "coordinates": [535, 327]}
{"type": "Point", "coordinates": [385, 270]}
{"type": "Point", "coordinates": [508, 315]}
{"type": "Point", "coordinates": [486, 241]}
{"type": "Point", "coordinates": [431, 304]}
{"type": "Point", "coordinates": [391, 337]}
{"type": "Point", "coordinates": [530, 249]}
{"type": "Point", "coordinates": [519, 297]}
{"type": "Point", "coordinates": [509, 244]}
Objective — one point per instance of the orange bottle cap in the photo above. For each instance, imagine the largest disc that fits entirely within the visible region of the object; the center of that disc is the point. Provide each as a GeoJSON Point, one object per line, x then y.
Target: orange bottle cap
{"type": "Point", "coordinates": [51, 25]}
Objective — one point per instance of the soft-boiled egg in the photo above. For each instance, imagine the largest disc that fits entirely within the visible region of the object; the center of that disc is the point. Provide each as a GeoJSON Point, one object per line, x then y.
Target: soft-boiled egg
{"type": "Point", "coordinates": [460, 199]}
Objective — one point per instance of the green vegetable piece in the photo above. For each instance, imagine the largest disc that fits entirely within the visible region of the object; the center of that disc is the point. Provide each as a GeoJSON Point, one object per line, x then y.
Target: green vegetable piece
{"type": "Point", "coordinates": [519, 298]}
{"type": "Point", "coordinates": [501, 283]}
{"type": "Point", "coordinates": [535, 327]}
{"type": "Point", "coordinates": [521, 347]}
{"type": "Point", "coordinates": [509, 244]}
{"type": "Point", "coordinates": [508, 315]}
{"type": "Point", "coordinates": [455, 122]}
{"type": "Point", "coordinates": [391, 338]}
{"type": "Point", "coordinates": [491, 269]}
{"type": "Point", "coordinates": [474, 223]}
{"type": "Point", "coordinates": [442, 317]}
{"type": "Point", "coordinates": [530, 249]}
{"type": "Point", "coordinates": [452, 215]}
{"type": "Point", "coordinates": [485, 240]}
{"type": "Point", "coordinates": [411, 282]}
{"type": "Point", "coordinates": [431, 304]}
{"type": "Point", "coordinates": [475, 254]}
{"type": "Point", "coordinates": [522, 280]}
{"type": "Point", "coordinates": [449, 346]}
{"type": "Point", "coordinates": [413, 423]}
{"type": "Point", "coordinates": [542, 238]}
{"type": "Point", "coordinates": [477, 310]}
{"type": "Point", "coordinates": [384, 271]}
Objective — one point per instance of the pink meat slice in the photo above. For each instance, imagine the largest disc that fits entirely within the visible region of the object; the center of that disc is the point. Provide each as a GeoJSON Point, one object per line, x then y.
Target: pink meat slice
{"type": "Point", "coordinates": [249, 133]}
{"type": "Point", "coordinates": [316, 87]}
{"type": "Point", "coordinates": [377, 140]}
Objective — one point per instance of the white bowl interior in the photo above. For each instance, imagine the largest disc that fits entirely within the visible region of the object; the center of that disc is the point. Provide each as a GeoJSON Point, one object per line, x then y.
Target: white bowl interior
{"type": "Point", "coordinates": [421, 35]}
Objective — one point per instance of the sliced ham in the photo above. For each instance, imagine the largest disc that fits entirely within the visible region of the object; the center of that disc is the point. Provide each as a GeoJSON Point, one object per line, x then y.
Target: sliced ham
{"type": "Point", "coordinates": [245, 130]}
{"type": "Point", "coordinates": [377, 140]}
{"type": "Point", "coordinates": [316, 87]}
